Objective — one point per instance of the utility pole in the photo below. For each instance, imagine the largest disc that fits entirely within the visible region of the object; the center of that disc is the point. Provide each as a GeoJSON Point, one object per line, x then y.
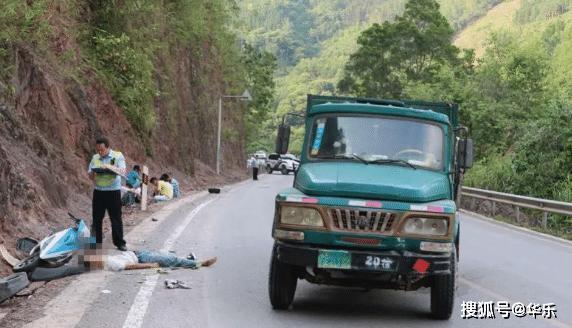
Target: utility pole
{"type": "Point", "coordinates": [245, 97]}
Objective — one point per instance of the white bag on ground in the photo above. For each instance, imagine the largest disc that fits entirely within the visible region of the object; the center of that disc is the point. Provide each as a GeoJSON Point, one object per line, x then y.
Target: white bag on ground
{"type": "Point", "coordinates": [120, 261]}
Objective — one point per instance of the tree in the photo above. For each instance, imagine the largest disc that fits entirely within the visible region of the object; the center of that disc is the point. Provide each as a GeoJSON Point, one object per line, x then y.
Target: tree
{"type": "Point", "coordinates": [410, 49]}
{"type": "Point", "coordinates": [259, 67]}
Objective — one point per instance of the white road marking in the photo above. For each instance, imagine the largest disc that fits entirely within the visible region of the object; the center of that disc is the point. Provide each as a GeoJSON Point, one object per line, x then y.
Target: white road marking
{"type": "Point", "coordinates": [66, 309]}
{"type": "Point", "coordinates": [499, 297]}
{"type": "Point", "coordinates": [518, 230]}
{"type": "Point", "coordinates": [141, 302]}
{"type": "Point", "coordinates": [139, 308]}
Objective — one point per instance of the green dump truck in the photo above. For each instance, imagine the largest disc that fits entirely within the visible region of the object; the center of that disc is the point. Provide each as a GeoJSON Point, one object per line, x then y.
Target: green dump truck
{"type": "Point", "coordinates": [374, 201]}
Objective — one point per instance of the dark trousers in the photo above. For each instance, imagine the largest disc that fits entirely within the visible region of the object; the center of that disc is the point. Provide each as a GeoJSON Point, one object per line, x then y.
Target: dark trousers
{"type": "Point", "coordinates": [110, 201]}
{"type": "Point", "coordinates": [254, 173]}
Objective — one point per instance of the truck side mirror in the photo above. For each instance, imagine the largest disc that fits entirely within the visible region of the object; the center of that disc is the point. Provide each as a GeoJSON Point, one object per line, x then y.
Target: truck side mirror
{"type": "Point", "coordinates": [282, 139]}
{"type": "Point", "coordinates": [465, 153]}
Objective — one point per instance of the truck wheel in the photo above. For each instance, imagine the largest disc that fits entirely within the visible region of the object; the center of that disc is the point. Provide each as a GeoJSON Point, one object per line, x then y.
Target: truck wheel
{"type": "Point", "coordinates": [269, 169]}
{"type": "Point", "coordinates": [284, 170]}
{"type": "Point", "coordinates": [443, 292]}
{"type": "Point", "coordinates": [282, 282]}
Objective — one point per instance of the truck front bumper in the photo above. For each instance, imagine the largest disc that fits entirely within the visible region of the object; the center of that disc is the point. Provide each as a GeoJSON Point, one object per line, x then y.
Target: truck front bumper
{"type": "Point", "coordinates": [401, 262]}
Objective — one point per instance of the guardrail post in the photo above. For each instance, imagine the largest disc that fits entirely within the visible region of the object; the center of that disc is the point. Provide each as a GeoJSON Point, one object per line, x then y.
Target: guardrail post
{"type": "Point", "coordinates": [545, 206]}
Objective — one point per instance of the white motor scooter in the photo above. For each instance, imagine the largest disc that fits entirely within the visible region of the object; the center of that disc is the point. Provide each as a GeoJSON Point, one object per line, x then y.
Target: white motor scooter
{"type": "Point", "coordinates": [56, 249]}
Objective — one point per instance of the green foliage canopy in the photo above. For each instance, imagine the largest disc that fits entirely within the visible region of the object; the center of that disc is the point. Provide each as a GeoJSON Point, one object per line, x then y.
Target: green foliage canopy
{"type": "Point", "coordinates": [411, 48]}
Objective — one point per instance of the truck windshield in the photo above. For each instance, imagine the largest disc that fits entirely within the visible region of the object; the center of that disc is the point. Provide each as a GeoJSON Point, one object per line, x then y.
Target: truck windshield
{"type": "Point", "coordinates": [379, 140]}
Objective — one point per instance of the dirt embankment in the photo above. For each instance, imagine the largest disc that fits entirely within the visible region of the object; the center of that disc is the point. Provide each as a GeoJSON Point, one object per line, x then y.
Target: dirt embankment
{"type": "Point", "coordinates": [49, 121]}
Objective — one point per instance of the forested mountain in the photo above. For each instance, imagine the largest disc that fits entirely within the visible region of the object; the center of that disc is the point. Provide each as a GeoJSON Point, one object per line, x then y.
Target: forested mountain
{"type": "Point", "coordinates": [296, 29]}
{"type": "Point", "coordinates": [312, 40]}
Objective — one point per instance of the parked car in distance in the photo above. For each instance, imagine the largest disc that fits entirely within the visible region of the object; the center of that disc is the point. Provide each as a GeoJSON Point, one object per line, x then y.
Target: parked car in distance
{"type": "Point", "coordinates": [260, 157]}
{"type": "Point", "coordinates": [284, 163]}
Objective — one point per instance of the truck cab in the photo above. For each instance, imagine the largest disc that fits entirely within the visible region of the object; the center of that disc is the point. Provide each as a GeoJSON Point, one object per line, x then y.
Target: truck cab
{"type": "Point", "coordinates": [374, 201]}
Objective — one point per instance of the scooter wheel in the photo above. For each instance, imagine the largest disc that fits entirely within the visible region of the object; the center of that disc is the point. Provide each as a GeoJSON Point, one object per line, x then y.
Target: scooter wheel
{"type": "Point", "coordinates": [55, 263]}
{"type": "Point", "coordinates": [28, 264]}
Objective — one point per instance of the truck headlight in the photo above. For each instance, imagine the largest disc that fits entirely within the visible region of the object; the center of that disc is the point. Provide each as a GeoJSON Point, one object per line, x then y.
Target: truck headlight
{"type": "Point", "coordinates": [426, 226]}
{"type": "Point", "coordinates": [301, 216]}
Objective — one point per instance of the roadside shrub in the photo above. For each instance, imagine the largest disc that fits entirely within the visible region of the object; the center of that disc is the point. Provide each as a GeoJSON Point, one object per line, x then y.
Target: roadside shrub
{"type": "Point", "coordinates": [544, 154]}
{"type": "Point", "coordinates": [562, 192]}
{"type": "Point", "coordinates": [493, 173]}
{"type": "Point", "coordinates": [129, 74]}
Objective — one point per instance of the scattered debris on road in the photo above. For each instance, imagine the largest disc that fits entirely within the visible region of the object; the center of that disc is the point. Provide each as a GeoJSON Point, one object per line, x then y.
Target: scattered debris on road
{"type": "Point", "coordinates": [106, 291]}
{"type": "Point", "coordinates": [172, 284]}
{"type": "Point", "coordinates": [7, 256]}
{"type": "Point", "coordinates": [12, 284]}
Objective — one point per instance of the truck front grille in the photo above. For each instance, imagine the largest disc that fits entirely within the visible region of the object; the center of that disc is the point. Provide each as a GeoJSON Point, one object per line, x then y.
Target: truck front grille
{"type": "Point", "coordinates": [361, 220]}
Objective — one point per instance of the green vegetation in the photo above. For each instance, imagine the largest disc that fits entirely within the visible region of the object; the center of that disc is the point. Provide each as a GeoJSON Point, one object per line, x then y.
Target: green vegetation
{"type": "Point", "coordinates": [260, 67]}
{"type": "Point", "coordinates": [411, 49]}
{"type": "Point", "coordinates": [135, 49]}
{"type": "Point", "coordinates": [129, 74]}
{"type": "Point", "coordinates": [533, 10]}
{"type": "Point", "coordinates": [313, 39]}
{"type": "Point", "coordinates": [515, 97]}
{"type": "Point", "coordinates": [516, 101]}
{"type": "Point", "coordinates": [20, 23]}
{"type": "Point", "coordinates": [128, 41]}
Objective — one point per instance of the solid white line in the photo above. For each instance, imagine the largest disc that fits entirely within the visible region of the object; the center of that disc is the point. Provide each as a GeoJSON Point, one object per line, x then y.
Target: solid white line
{"type": "Point", "coordinates": [519, 230]}
{"type": "Point", "coordinates": [499, 297]}
{"type": "Point", "coordinates": [139, 307]}
{"type": "Point", "coordinates": [177, 233]}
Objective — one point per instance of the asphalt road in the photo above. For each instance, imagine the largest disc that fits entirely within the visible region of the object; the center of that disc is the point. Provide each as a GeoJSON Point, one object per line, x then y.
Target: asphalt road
{"type": "Point", "coordinates": [497, 264]}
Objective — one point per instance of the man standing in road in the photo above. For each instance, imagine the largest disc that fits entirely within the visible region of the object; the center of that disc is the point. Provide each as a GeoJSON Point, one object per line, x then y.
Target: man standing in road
{"type": "Point", "coordinates": [105, 170]}
{"type": "Point", "coordinates": [254, 165]}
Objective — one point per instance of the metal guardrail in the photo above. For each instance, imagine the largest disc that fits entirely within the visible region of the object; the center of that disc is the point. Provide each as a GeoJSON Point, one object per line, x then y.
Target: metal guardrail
{"type": "Point", "coordinates": [544, 205]}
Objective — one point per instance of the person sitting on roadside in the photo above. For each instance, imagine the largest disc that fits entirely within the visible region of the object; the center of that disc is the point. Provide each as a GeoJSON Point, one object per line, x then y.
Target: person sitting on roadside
{"type": "Point", "coordinates": [133, 178]}
{"type": "Point", "coordinates": [130, 195]}
{"type": "Point", "coordinates": [163, 190]}
{"type": "Point", "coordinates": [176, 191]}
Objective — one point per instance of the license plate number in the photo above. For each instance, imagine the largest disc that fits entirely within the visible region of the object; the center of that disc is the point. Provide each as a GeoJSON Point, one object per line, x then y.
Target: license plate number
{"type": "Point", "coordinates": [329, 259]}
{"type": "Point", "coordinates": [378, 263]}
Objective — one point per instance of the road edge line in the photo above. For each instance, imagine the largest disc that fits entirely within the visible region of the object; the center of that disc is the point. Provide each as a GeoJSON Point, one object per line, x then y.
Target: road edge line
{"type": "Point", "coordinates": [524, 230]}
{"type": "Point", "coordinates": [141, 302]}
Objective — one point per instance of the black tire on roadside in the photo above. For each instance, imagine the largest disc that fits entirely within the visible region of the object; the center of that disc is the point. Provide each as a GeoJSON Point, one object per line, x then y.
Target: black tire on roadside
{"type": "Point", "coordinates": [269, 169]}
{"type": "Point", "coordinates": [28, 264]}
{"type": "Point", "coordinates": [282, 281]}
{"type": "Point", "coordinates": [443, 292]}
{"type": "Point", "coordinates": [284, 170]}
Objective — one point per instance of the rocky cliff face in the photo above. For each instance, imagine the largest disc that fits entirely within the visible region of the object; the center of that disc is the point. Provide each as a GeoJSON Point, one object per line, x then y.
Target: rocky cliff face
{"type": "Point", "coordinates": [49, 121]}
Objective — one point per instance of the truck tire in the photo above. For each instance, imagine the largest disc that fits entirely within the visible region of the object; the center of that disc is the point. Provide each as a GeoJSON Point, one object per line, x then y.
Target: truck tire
{"type": "Point", "coordinates": [284, 170]}
{"type": "Point", "coordinates": [443, 292]}
{"type": "Point", "coordinates": [282, 281]}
